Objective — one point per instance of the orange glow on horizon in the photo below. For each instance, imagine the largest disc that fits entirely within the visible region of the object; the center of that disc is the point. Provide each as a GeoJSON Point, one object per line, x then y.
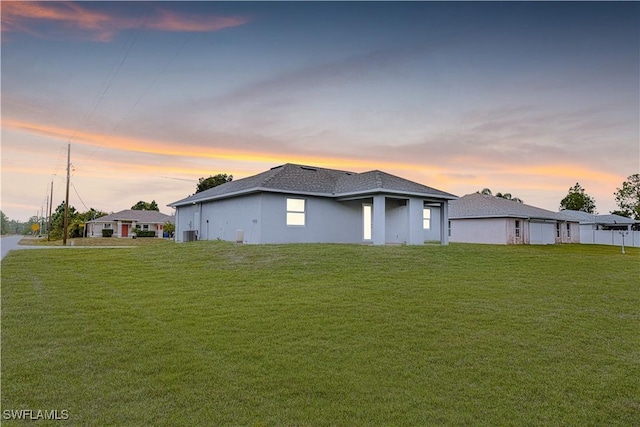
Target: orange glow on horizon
{"type": "Point", "coordinates": [533, 177]}
{"type": "Point", "coordinates": [564, 171]}
{"type": "Point", "coordinates": [189, 151]}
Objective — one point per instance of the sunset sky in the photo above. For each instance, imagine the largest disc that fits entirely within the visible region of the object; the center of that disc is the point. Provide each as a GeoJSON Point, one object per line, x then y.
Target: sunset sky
{"type": "Point", "coordinates": [520, 97]}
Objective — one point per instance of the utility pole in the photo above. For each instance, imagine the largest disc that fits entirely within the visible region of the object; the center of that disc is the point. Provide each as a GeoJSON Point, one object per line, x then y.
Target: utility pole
{"type": "Point", "coordinates": [50, 206]}
{"type": "Point", "coordinates": [66, 203]}
{"type": "Point", "coordinates": [45, 223]}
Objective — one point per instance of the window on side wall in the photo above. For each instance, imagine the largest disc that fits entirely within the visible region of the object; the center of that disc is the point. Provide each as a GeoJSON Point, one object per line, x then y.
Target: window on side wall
{"type": "Point", "coordinates": [517, 229]}
{"type": "Point", "coordinates": [568, 230]}
{"type": "Point", "coordinates": [557, 229]}
{"type": "Point", "coordinates": [296, 212]}
{"type": "Point", "coordinates": [426, 218]}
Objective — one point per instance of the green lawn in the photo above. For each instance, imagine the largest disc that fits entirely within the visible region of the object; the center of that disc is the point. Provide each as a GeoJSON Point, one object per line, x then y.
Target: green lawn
{"type": "Point", "coordinates": [211, 333]}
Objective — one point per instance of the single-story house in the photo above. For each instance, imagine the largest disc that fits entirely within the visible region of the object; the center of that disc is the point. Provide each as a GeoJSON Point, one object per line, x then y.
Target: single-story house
{"type": "Point", "coordinates": [605, 229]}
{"type": "Point", "coordinates": [305, 204]}
{"type": "Point", "coordinates": [480, 218]}
{"type": "Point", "coordinates": [124, 222]}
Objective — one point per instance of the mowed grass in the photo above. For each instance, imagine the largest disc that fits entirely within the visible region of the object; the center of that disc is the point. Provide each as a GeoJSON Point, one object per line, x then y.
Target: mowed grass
{"type": "Point", "coordinates": [211, 333]}
{"type": "Point", "coordinates": [97, 241]}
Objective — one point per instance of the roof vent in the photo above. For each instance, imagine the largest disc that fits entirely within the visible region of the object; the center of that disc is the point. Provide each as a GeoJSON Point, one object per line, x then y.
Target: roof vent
{"type": "Point", "coordinates": [307, 168]}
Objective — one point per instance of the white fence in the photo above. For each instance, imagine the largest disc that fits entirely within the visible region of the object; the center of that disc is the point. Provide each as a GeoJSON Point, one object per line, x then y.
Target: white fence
{"type": "Point", "coordinates": [610, 237]}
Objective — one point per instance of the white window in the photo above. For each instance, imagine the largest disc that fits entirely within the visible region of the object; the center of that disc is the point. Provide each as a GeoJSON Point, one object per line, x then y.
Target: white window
{"type": "Point", "coordinates": [145, 227]}
{"type": "Point", "coordinates": [517, 229]}
{"type": "Point", "coordinates": [568, 230]}
{"type": "Point", "coordinates": [367, 221]}
{"type": "Point", "coordinates": [557, 229]}
{"type": "Point", "coordinates": [107, 225]}
{"type": "Point", "coordinates": [426, 218]}
{"type": "Point", "coordinates": [296, 212]}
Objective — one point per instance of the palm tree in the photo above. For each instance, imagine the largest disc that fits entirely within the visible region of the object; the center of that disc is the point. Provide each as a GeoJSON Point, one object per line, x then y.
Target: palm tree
{"type": "Point", "coordinates": [507, 196]}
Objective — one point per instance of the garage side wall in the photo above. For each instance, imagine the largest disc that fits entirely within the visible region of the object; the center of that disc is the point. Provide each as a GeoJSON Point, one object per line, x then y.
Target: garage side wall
{"type": "Point", "coordinates": [480, 230]}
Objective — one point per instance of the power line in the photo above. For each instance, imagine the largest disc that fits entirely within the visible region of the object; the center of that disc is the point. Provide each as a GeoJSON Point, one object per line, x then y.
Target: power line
{"type": "Point", "coordinates": [135, 104]}
{"type": "Point", "coordinates": [76, 191]}
{"type": "Point", "coordinates": [115, 69]}
{"type": "Point", "coordinates": [178, 179]}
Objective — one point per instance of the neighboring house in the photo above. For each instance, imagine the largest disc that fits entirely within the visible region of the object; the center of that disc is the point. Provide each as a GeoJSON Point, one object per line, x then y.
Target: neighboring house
{"type": "Point", "coordinates": [605, 229]}
{"type": "Point", "coordinates": [305, 204]}
{"type": "Point", "coordinates": [479, 218]}
{"type": "Point", "coordinates": [124, 222]}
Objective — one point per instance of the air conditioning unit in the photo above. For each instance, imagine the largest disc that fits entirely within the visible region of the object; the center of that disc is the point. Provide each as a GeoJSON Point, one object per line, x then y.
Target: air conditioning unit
{"type": "Point", "coordinates": [189, 236]}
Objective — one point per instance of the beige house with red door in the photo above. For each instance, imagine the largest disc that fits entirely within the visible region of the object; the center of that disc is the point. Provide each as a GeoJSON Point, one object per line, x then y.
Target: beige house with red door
{"type": "Point", "coordinates": [124, 222]}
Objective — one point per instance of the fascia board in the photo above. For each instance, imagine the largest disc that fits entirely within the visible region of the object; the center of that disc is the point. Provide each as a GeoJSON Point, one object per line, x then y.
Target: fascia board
{"type": "Point", "coordinates": [366, 193]}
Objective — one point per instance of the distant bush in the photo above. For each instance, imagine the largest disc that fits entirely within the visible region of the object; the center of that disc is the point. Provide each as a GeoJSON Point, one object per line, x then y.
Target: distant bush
{"type": "Point", "coordinates": [107, 232]}
{"type": "Point", "coordinates": [146, 233]}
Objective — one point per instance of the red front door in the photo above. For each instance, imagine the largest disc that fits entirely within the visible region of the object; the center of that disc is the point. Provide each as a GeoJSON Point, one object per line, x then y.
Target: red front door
{"type": "Point", "coordinates": [125, 230]}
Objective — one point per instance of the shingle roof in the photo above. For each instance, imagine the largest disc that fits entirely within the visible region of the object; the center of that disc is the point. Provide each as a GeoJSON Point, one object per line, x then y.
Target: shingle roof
{"type": "Point", "coordinates": [612, 219]}
{"type": "Point", "coordinates": [577, 215]}
{"type": "Point", "coordinates": [587, 218]}
{"type": "Point", "coordinates": [311, 180]}
{"type": "Point", "coordinates": [478, 205]}
{"type": "Point", "coordinates": [151, 217]}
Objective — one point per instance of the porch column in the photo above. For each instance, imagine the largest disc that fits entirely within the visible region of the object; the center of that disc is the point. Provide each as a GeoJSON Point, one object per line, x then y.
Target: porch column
{"type": "Point", "coordinates": [379, 236]}
{"type": "Point", "coordinates": [444, 223]}
{"type": "Point", "coordinates": [119, 229]}
{"type": "Point", "coordinates": [416, 229]}
{"type": "Point", "coordinates": [176, 223]}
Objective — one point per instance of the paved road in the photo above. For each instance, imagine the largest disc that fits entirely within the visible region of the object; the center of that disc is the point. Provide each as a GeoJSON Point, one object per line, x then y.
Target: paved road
{"type": "Point", "coordinates": [10, 243]}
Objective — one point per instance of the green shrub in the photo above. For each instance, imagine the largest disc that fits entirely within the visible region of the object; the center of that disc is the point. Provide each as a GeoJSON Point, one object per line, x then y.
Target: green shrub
{"type": "Point", "coordinates": [148, 233]}
{"type": "Point", "coordinates": [107, 232]}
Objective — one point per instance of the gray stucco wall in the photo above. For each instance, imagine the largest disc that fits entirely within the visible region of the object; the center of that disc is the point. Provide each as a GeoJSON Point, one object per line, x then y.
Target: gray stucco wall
{"type": "Point", "coordinates": [326, 221]}
{"type": "Point", "coordinates": [221, 219]}
{"type": "Point", "coordinates": [185, 217]}
{"type": "Point", "coordinates": [225, 217]}
{"type": "Point", "coordinates": [397, 225]}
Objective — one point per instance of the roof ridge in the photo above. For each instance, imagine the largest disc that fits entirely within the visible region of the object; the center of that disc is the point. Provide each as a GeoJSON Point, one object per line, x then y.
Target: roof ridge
{"type": "Point", "coordinates": [378, 175]}
{"type": "Point", "coordinates": [269, 176]}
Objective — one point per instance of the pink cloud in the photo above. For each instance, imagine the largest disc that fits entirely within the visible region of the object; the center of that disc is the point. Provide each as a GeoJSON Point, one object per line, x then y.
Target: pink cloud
{"type": "Point", "coordinates": [75, 20]}
{"type": "Point", "coordinates": [166, 20]}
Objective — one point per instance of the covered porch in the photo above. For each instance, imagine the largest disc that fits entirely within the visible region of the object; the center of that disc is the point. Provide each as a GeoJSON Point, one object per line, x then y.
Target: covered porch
{"type": "Point", "coordinates": [397, 219]}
